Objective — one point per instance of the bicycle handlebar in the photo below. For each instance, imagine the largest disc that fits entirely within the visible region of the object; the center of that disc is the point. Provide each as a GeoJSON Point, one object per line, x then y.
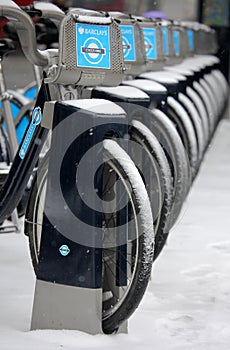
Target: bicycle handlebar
{"type": "Point", "coordinates": [26, 30]}
{"type": "Point", "coordinates": [49, 10]}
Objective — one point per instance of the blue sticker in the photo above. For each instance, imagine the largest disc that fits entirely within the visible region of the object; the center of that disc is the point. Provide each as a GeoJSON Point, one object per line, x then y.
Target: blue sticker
{"type": "Point", "coordinates": [64, 250]}
{"type": "Point", "coordinates": [165, 40]}
{"type": "Point", "coordinates": [128, 43]}
{"type": "Point", "coordinates": [190, 36]}
{"type": "Point", "coordinates": [93, 46]}
{"type": "Point", "coordinates": [176, 41]}
{"type": "Point", "coordinates": [150, 43]}
{"type": "Point", "coordinates": [36, 119]}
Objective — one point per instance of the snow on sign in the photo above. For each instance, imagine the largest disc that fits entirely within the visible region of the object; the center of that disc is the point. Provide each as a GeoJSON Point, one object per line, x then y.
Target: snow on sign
{"type": "Point", "coordinates": [93, 46]}
{"type": "Point", "coordinates": [150, 43]}
{"type": "Point", "coordinates": [128, 43]}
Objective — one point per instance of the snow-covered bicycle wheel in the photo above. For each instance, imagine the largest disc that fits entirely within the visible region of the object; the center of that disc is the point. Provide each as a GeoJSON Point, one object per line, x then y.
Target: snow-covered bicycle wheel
{"type": "Point", "coordinates": [207, 105]}
{"type": "Point", "coordinates": [196, 122]}
{"type": "Point", "coordinates": [166, 133]}
{"type": "Point", "coordinates": [185, 128]}
{"type": "Point", "coordinates": [119, 301]}
{"type": "Point", "coordinates": [200, 107]}
{"type": "Point", "coordinates": [158, 181]}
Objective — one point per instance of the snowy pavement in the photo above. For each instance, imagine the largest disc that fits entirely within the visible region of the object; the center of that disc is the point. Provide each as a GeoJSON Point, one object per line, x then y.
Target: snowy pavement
{"type": "Point", "coordinates": [187, 304]}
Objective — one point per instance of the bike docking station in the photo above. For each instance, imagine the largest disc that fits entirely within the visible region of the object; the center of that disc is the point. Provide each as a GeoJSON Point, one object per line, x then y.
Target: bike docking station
{"type": "Point", "coordinates": [105, 195]}
{"type": "Point", "coordinates": [136, 97]}
{"type": "Point", "coordinates": [142, 52]}
{"type": "Point", "coordinates": [69, 292]}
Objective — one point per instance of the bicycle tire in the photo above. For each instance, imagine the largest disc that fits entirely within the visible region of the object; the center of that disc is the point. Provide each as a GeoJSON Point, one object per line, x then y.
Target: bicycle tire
{"type": "Point", "coordinates": [163, 185]}
{"type": "Point", "coordinates": [196, 122]}
{"type": "Point", "coordinates": [203, 83]}
{"type": "Point", "coordinates": [206, 102]}
{"type": "Point", "coordinates": [118, 160]}
{"type": "Point", "coordinates": [199, 105]}
{"type": "Point", "coordinates": [216, 89]}
{"type": "Point", "coordinates": [184, 126]}
{"type": "Point", "coordinates": [166, 133]}
{"type": "Point", "coordinates": [222, 81]}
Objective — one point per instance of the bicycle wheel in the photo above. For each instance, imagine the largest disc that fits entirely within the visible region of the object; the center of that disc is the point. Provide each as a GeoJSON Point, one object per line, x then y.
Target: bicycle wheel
{"type": "Point", "coordinates": [203, 83]}
{"type": "Point", "coordinates": [119, 300]}
{"type": "Point", "coordinates": [186, 131]}
{"type": "Point", "coordinates": [199, 104]}
{"type": "Point", "coordinates": [196, 122]}
{"type": "Point", "coordinates": [160, 185]}
{"type": "Point", "coordinates": [206, 102]}
{"type": "Point", "coordinates": [166, 133]}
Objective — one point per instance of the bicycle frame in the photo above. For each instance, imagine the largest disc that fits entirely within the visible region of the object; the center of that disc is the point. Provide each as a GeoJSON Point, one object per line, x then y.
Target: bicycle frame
{"type": "Point", "coordinates": [21, 169]}
{"type": "Point", "coordinates": [13, 143]}
{"type": "Point", "coordinates": [15, 184]}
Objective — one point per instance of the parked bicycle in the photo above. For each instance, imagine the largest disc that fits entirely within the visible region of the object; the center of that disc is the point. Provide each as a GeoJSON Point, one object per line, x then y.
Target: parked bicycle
{"type": "Point", "coordinates": [116, 164]}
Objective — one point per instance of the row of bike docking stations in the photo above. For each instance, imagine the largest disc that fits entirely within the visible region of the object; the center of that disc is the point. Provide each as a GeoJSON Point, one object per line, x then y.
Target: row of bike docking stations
{"type": "Point", "coordinates": [124, 110]}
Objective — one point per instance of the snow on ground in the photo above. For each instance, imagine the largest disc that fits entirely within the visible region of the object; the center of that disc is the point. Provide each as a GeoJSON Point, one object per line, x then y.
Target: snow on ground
{"type": "Point", "coordinates": [187, 304]}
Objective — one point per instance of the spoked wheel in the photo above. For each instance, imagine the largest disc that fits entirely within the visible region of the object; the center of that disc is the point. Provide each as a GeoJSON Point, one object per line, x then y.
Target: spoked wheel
{"type": "Point", "coordinates": [128, 239]}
